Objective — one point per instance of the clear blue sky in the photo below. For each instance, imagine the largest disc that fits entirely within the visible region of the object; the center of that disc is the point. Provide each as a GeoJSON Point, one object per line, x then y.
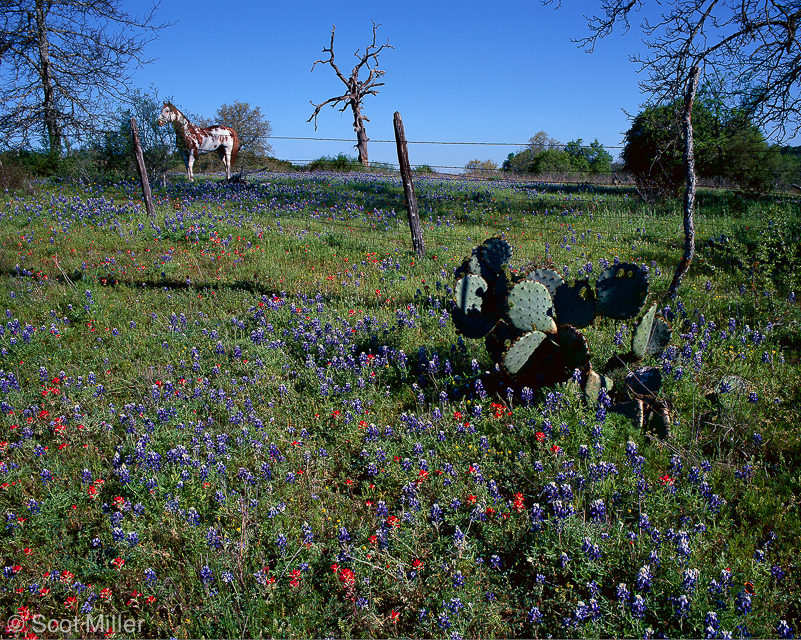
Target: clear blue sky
{"type": "Point", "coordinates": [459, 72]}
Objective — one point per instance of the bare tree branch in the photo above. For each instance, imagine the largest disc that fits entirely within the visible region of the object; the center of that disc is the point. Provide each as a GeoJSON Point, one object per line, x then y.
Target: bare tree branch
{"type": "Point", "coordinates": [68, 58]}
{"type": "Point", "coordinates": [357, 90]}
{"type": "Point", "coordinates": [749, 45]}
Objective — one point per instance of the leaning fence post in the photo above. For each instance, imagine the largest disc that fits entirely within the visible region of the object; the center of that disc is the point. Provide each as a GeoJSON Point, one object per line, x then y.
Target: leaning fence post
{"type": "Point", "coordinates": [140, 166]}
{"type": "Point", "coordinates": [408, 187]}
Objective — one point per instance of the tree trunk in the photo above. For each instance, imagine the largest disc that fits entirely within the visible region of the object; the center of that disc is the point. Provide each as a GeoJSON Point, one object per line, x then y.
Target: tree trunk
{"type": "Point", "coordinates": [689, 192]}
{"type": "Point", "coordinates": [361, 134]}
{"type": "Point", "coordinates": [45, 73]}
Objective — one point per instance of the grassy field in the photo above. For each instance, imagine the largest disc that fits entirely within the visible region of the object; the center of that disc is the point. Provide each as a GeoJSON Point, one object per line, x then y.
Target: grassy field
{"type": "Point", "coordinates": [253, 417]}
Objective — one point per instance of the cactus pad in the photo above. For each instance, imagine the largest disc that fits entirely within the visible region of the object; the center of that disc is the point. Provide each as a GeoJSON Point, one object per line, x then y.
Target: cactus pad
{"type": "Point", "coordinates": [621, 291]}
{"type": "Point", "coordinates": [644, 382]}
{"type": "Point", "coordinates": [530, 307]}
{"type": "Point", "coordinates": [659, 421]}
{"type": "Point", "coordinates": [495, 253]}
{"type": "Point", "coordinates": [521, 350]}
{"type": "Point", "coordinates": [651, 336]}
{"type": "Point", "coordinates": [469, 294]}
{"type": "Point", "coordinates": [593, 385]}
{"type": "Point", "coordinates": [472, 326]}
{"type": "Point", "coordinates": [573, 348]}
{"type": "Point", "coordinates": [500, 338]}
{"type": "Point", "coordinates": [575, 305]}
{"type": "Point", "coordinates": [548, 277]}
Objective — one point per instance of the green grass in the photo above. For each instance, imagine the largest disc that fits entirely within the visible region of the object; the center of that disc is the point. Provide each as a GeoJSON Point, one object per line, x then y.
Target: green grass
{"type": "Point", "coordinates": [271, 361]}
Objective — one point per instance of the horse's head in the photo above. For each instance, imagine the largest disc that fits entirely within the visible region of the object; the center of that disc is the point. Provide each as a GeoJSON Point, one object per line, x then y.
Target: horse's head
{"type": "Point", "coordinates": [168, 114]}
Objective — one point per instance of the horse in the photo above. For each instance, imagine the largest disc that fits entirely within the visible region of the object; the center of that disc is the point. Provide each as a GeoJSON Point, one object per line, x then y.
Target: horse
{"type": "Point", "coordinates": [194, 140]}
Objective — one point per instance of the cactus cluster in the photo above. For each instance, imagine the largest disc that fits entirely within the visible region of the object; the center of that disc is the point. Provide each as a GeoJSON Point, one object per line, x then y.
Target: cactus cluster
{"type": "Point", "coordinates": [531, 325]}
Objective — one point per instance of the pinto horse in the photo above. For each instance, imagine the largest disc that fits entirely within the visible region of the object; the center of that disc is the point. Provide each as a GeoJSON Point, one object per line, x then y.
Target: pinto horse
{"type": "Point", "coordinates": [193, 140]}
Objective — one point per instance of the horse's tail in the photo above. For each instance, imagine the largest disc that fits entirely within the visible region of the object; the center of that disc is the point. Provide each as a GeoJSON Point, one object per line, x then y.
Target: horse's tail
{"type": "Point", "coordinates": [235, 148]}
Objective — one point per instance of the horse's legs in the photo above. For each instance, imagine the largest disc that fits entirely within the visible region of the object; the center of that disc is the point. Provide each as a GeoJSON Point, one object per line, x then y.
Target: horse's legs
{"type": "Point", "coordinates": [225, 156]}
{"type": "Point", "coordinates": [190, 160]}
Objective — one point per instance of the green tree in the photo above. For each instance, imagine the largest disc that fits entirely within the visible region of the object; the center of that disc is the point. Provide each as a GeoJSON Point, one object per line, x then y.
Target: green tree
{"type": "Point", "coordinates": [114, 149]}
{"type": "Point", "coordinates": [61, 62]}
{"type": "Point", "coordinates": [727, 145]}
{"type": "Point", "coordinates": [251, 126]}
{"type": "Point", "coordinates": [592, 158]}
{"type": "Point", "coordinates": [551, 161]}
{"type": "Point", "coordinates": [481, 167]}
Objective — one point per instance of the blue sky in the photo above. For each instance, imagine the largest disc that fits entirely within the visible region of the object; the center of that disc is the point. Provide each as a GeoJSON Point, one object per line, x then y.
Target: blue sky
{"type": "Point", "coordinates": [459, 72]}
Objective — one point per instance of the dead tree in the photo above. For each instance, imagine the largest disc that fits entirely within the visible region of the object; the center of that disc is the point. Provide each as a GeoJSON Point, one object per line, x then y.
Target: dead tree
{"type": "Point", "coordinates": [689, 192]}
{"type": "Point", "coordinates": [357, 89]}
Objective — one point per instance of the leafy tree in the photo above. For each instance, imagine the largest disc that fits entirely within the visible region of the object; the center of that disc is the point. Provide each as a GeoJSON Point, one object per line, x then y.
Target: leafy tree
{"type": "Point", "coordinates": [62, 60]}
{"type": "Point", "coordinates": [251, 126]}
{"type": "Point", "coordinates": [727, 145]}
{"type": "Point", "coordinates": [541, 141]}
{"type": "Point", "coordinates": [481, 167]}
{"type": "Point", "coordinates": [592, 158]}
{"type": "Point", "coordinates": [114, 149]}
{"type": "Point", "coordinates": [544, 154]}
{"type": "Point", "coordinates": [551, 161]}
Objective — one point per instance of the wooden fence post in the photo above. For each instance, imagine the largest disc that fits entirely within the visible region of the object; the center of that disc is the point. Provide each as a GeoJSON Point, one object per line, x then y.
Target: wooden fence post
{"type": "Point", "coordinates": [408, 187]}
{"type": "Point", "coordinates": [140, 166]}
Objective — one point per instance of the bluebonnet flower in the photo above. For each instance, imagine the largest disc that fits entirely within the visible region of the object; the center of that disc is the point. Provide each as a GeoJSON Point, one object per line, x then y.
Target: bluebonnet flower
{"type": "Point", "coordinates": [150, 575]}
{"type": "Point", "coordinates": [690, 579]}
{"type": "Point", "coordinates": [622, 592]}
{"type": "Point", "coordinates": [534, 615]}
{"type": "Point", "coordinates": [598, 510]}
{"type": "Point", "coordinates": [308, 535]}
{"type": "Point", "coordinates": [682, 604]}
{"type": "Point", "coordinates": [644, 578]}
{"type": "Point", "coordinates": [206, 575]}
{"type": "Point", "coordinates": [711, 624]}
{"type": "Point", "coordinates": [783, 629]}
{"type": "Point", "coordinates": [638, 606]}
{"type": "Point", "coordinates": [743, 602]}
{"type": "Point", "coordinates": [443, 621]}
{"type": "Point", "coordinates": [593, 551]}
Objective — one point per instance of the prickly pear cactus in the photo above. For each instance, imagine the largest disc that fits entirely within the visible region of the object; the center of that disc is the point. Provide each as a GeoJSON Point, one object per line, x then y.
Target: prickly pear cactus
{"type": "Point", "coordinates": [469, 294]}
{"type": "Point", "coordinates": [495, 253]}
{"type": "Point", "coordinates": [522, 350]}
{"type": "Point", "coordinates": [575, 305]}
{"type": "Point", "coordinates": [531, 325]}
{"type": "Point", "coordinates": [651, 336]}
{"type": "Point", "coordinates": [621, 291]}
{"type": "Point", "coordinates": [548, 277]}
{"type": "Point", "coordinates": [530, 307]}
{"type": "Point", "coordinates": [480, 279]}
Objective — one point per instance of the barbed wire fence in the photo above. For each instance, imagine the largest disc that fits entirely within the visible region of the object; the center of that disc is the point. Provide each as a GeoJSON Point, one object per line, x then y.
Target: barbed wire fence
{"type": "Point", "coordinates": [611, 176]}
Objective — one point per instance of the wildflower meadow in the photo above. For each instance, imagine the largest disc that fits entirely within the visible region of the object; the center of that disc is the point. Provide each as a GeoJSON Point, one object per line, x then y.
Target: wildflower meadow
{"type": "Point", "coordinates": [253, 417]}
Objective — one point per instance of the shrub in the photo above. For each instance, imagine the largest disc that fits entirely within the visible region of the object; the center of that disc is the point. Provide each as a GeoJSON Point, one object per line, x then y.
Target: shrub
{"type": "Point", "coordinates": [14, 177]}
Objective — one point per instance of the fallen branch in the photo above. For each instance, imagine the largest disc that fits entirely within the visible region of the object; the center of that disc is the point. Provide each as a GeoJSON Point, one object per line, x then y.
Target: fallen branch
{"type": "Point", "coordinates": [242, 175]}
{"type": "Point", "coordinates": [66, 277]}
